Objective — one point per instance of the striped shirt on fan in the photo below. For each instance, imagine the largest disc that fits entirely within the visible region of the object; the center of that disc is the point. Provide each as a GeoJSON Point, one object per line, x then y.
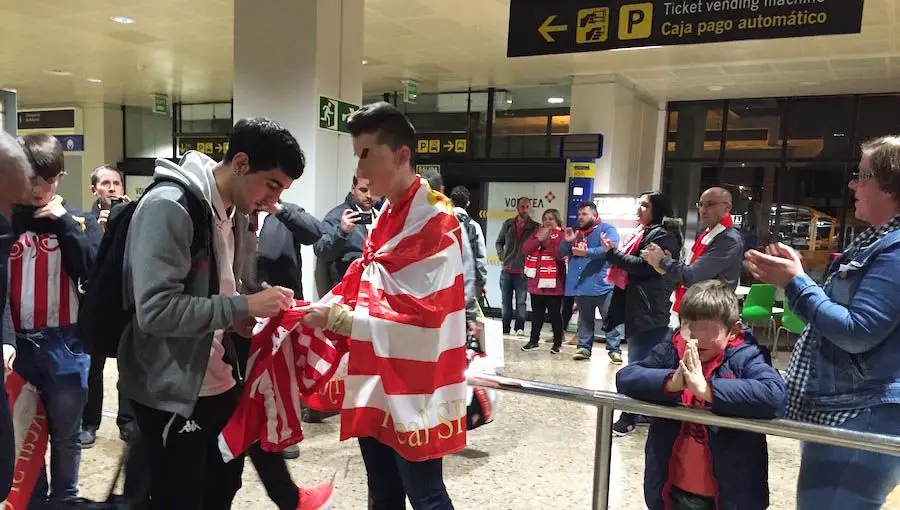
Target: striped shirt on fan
{"type": "Point", "coordinates": [41, 293]}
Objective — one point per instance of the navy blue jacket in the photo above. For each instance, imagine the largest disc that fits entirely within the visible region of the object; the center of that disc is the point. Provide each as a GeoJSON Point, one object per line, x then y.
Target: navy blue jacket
{"type": "Point", "coordinates": [744, 386]}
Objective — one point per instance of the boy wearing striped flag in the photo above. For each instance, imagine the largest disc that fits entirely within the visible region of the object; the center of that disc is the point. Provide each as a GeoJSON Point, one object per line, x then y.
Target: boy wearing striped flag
{"type": "Point", "coordinates": [400, 311]}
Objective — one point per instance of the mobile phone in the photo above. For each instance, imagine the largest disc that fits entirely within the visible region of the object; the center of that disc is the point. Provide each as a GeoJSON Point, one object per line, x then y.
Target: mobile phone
{"type": "Point", "coordinates": [114, 201]}
{"type": "Point", "coordinates": [365, 218]}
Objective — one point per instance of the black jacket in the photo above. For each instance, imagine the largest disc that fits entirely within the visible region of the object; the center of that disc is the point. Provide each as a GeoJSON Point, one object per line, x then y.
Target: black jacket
{"type": "Point", "coordinates": [278, 259]}
{"type": "Point", "coordinates": [75, 232]}
{"type": "Point", "coordinates": [336, 248]}
{"type": "Point", "coordinates": [509, 248]}
{"type": "Point", "coordinates": [645, 302]}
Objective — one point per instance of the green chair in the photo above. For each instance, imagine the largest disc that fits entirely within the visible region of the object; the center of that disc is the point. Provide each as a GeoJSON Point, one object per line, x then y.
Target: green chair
{"type": "Point", "coordinates": [790, 323]}
{"type": "Point", "coordinates": [758, 306]}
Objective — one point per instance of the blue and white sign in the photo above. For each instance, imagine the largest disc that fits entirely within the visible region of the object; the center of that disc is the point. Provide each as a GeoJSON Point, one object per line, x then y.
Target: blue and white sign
{"type": "Point", "coordinates": [71, 143]}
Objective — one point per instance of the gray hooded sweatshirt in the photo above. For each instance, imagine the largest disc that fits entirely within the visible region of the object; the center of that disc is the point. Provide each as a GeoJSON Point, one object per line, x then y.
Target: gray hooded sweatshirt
{"type": "Point", "coordinates": [164, 352]}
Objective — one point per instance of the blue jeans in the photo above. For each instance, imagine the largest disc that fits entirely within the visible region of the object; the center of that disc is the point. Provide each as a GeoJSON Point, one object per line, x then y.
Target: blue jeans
{"type": "Point", "coordinates": [513, 284]}
{"type": "Point", "coordinates": [835, 477]}
{"type": "Point", "coordinates": [54, 361]}
{"type": "Point", "coordinates": [640, 345]}
{"type": "Point", "coordinates": [587, 306]}
{"type": "Point", "coordinates": [392, 479]}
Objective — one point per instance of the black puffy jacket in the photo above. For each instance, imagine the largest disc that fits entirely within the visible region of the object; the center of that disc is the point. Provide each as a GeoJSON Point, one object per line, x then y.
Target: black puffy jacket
{"type": "Point", "coordinates": [645, 303]}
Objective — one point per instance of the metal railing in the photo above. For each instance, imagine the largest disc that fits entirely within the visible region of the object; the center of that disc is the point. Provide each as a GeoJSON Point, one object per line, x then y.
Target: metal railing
{"type": "Point", "coordinates": [606, 402]}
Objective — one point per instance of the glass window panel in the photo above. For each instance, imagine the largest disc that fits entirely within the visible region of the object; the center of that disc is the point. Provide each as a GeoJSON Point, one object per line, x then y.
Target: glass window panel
{"type": "Point", "coordinates": [877, 116]}
{"type": "Point", "coordinates": [559, 124]}
{"type": "Point", "coordinates": [754, 130]}
{"type": "Point", "coordinates": [520, 126]}
{"type": "Point", "coordinates": [694, 130]}
{"type": "Point", "coordinates": [820, 128]}
{"type": "Point", "coordinates": [812, 197]}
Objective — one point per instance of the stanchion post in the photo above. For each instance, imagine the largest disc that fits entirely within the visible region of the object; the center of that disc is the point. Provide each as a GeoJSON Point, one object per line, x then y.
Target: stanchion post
{"type": "Point", "coordinates": [602, 457]}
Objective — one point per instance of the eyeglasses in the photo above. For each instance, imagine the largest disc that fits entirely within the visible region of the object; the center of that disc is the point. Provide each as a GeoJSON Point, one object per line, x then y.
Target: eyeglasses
{"type": "Point", "coordinates": [707, 205]}
{"type": "Point", "coordinates": [861, 176]}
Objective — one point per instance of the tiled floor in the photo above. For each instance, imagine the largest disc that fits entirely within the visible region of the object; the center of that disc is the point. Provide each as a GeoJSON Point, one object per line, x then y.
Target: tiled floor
{"type": "Point", "coordinates": [538, 454]}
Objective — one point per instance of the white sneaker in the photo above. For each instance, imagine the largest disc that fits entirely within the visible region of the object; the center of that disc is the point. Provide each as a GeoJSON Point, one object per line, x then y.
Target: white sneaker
{"type": "Point", "coordinates": [520, 333]}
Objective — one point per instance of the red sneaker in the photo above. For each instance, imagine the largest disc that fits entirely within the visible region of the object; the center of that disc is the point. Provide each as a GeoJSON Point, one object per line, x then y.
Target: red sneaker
{"type": "Point", "coordinates": [318, 497]}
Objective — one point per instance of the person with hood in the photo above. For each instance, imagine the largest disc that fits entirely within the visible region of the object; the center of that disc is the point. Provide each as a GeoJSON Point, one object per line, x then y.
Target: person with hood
{"type": "Point", "coordinates": [48, 263]}
{"type": "Point", "coordinates": [345, 229]}
{"type": "Point", "coordinates": [641, 296]}
{"type": "Point", "coordinates": [15, 177]}
{"type": "Point", "coordinates": [710, 363]}
{"type": "Point", "coordinates": [176, 362]}
{"type": "Point", "coordinates": [107, 185]}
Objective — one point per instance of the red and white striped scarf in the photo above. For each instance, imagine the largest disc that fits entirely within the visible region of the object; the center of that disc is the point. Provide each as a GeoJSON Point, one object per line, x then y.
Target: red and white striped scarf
{"type": "Point", "coordinates": [405, 383]}
{"type": "Point", "coordinates": [700, 245]}
{"type": "Point", "coordinates": [542, 264]}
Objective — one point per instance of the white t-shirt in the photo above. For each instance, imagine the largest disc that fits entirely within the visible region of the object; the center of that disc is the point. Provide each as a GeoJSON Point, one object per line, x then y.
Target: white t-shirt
{"type": "Point", "coordinates": [219, 378]}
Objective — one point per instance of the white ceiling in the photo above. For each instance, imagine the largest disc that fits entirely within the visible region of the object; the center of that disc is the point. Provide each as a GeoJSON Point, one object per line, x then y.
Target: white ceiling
{"type": "Point", "coordinates": [184, 48]}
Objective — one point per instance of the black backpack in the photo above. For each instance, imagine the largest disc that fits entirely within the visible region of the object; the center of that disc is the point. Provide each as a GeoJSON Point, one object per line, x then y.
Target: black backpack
{"type": "Point", "coordinates": [466, 221]}
{"type": "Point", "coordinates": [102, 314]}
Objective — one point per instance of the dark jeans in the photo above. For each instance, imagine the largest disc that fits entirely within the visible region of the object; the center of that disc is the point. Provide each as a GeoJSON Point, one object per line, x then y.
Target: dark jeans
{"type": "Point", "coordinates": [513, 285]}
{"type": "Point", "coordinates": [835, 477]}
{"type": "Point", "coordinates": [550, 307]}
{"type": "Point", "coordinates": [568, 309]}
{"type": "Point", "coordinates": [53, 360]}
{"type": "Point", "coordinates": [7, 447]}
{"type": "Point", "coordinates": [640, 345]}
{"type": "Point", "coordinates": [93, 408]}
{"type": "Point", "coordinates": [186, 468]}
{"type": "Point", "coordinates": [271, 467]}
{"type": "Point", "coordinates": [392, 479]}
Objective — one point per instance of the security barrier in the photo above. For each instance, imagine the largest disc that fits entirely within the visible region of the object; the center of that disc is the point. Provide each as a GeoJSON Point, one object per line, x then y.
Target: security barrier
{"type": "Point", "coordinates": [606, 402]}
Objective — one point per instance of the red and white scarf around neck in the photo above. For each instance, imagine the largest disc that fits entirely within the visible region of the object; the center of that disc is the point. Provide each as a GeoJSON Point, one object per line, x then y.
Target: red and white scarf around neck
{"type": "Point", "coordinates": [542, 264]}
{"type": "Point", "coordinates": [700, 245]}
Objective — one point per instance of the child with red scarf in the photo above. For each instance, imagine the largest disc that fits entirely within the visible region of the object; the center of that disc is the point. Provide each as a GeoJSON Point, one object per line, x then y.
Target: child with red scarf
{"type": "Point", "coordinates": [711, 363]}
{"type": "Point", "coordinates": [545, 269]}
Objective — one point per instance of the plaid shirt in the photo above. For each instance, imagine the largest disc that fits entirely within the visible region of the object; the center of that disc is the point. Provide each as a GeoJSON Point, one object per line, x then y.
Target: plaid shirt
{"type": "Point", "coordinates": [799, 367]}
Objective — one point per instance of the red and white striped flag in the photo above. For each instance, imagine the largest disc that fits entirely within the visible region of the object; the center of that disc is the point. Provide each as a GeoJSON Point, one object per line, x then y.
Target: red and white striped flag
{"type": "Point", "coordinates": [405, 384]}
{"type": "Point", "coordinates": [30, 427]}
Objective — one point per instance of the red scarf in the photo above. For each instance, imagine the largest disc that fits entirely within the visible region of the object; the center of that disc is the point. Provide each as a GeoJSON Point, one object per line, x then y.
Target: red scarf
{"type": "Point", "coordinates": [703, 241]}
{"type": "Point", "coordinates": [616, 275]}
{"type": "Point", "coordinates": [542, 264]}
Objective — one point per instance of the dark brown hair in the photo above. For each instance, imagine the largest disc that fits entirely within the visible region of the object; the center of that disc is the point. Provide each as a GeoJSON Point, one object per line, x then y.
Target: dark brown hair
{"type": "Point", "coordinates": [45, 154]}
{"type": "Point", "coordinates": [884, 158]}
{"type": "Point", "coordinates": [711, 300]}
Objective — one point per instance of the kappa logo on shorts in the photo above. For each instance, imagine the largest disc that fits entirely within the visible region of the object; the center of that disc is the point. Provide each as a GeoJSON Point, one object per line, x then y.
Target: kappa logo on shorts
{"type": "Point", "coordinates": [189, 426]}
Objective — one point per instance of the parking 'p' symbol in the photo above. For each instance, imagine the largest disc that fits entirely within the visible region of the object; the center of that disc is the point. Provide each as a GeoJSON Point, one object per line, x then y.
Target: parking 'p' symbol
{"type": "Point", "coordinates": [635, 21]}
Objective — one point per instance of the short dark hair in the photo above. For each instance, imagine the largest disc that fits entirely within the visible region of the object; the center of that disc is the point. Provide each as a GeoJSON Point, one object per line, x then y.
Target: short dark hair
{"type": "Point", "coordinates": [711, 300]}
{"type": "Point", "coordinates": [45, 154]}
{"type": "Point", "coordinates": [460, 196]}
{"type": "Point", "coordinates": [355, 180]}
{"type": "Point", "coordinates": [434, 178]}
{"type": "Point", "coordinates": [386, 122]}
{"type": "Point", "coordinates": [588, 205]}
{"type": "Point", "coordinates": [528, 199]}
{"type": "Point", "coordinates": [95, 173]}
{"type": "Point", "coordinates": [268, 145]}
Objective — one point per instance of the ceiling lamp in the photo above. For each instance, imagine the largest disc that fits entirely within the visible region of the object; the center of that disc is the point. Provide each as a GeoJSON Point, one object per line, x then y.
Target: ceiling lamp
{"type": "Point", "coordinates": [715, 88]}
{"type": "Point", "coordinates": [124, 20]}
{"type": "Point", "coordinates": [555, 100]}
{"type": "Point", "coordinates": [58, 72]}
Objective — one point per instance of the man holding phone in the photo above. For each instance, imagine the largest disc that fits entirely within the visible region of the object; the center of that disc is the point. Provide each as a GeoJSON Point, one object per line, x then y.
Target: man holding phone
{"type": "Point", "coordinates": [107, 184]}
{"type": "Point", "coordinates": [346, 228]}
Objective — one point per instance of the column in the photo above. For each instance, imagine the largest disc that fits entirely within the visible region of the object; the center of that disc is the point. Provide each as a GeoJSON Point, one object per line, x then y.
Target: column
{"type": "Point", "coordinates": [103, 144]}
{"type": "Point", "coordinates": [630, 124]}
{"type": "Point", "coordinates": [287, 54]}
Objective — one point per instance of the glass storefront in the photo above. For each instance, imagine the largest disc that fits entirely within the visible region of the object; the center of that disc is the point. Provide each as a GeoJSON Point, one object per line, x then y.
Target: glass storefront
{"type": "Point", "coordinates": [786, 161]}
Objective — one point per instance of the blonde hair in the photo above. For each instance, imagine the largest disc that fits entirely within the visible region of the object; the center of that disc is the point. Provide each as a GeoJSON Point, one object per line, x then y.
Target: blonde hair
{"type": "Point", "coordinates": [555, 214]}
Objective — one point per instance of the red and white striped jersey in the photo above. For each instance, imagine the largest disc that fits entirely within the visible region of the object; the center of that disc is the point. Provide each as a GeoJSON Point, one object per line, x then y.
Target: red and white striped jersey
{"type": "Point", "coordinates": [41, 293]}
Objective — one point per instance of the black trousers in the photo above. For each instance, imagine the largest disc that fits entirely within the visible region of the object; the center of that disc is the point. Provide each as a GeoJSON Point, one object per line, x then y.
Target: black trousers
{"type": "Point", "coordinates": [271, 467]}
{"type": "Point", "coordinates": [546, 307]}
{"type": "Point", "coordinates": [7, 447]}
{"type": "Point", "coordinates": [568, 309]}
{"type": "Point", "coordinates": [93, 408]}
{"type": "Point", "coordinates": [186, 469]}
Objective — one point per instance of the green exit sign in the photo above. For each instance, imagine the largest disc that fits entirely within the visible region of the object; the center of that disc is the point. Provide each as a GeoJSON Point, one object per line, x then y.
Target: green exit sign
{"type": "Point", "coordinates": [161, 104]}
{"type": "Point", "coordinates": [410, 92]}
{"type": "Point", "coordinates": [333, 114]}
